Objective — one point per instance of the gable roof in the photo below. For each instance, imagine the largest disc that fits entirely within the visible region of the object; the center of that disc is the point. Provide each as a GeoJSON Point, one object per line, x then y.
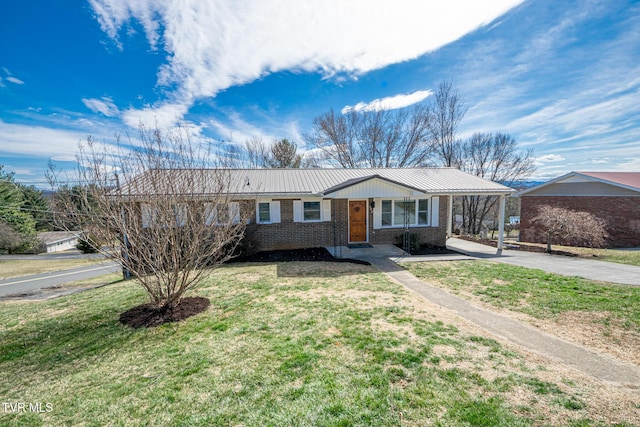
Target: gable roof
{"type": "Point", "coordinates": [360, 180]}
{"type": "Point", "coordinates": [315, 182]}
{"type": "Point", "coordinates": [626, 180]}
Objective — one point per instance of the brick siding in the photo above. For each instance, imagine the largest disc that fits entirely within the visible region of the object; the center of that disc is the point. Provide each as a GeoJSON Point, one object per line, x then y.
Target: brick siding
{"type": "Point", "coordinates": [296, 235]}
{"type": "Point", "coordinates": [622, 215]}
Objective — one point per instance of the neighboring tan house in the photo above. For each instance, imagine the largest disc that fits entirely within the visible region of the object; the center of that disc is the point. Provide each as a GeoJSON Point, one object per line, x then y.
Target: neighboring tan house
{"type": "Point", "coordinates": [611, 196]}
{"type": "Point", "coordinates": [302, 208]}
{"type": "Point", "coordinates": [58, 241]}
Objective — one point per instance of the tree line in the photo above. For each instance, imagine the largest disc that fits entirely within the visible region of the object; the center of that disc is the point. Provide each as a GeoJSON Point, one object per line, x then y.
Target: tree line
{"type": "Point", "coordinates": [24, 211]}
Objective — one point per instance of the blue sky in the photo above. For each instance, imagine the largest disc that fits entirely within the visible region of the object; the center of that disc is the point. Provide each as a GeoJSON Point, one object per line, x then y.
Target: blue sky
{"type": "Point", "coordinates": [561, 77]}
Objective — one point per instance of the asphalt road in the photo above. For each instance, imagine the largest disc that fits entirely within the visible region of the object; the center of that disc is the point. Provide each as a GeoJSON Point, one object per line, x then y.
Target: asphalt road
{"type": "Point", "coordinates": [18, 285]}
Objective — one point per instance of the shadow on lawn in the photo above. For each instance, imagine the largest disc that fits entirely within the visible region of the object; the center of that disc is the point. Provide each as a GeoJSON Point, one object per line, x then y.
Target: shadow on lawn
{"type": "Point", "coordinates": [310, 262]}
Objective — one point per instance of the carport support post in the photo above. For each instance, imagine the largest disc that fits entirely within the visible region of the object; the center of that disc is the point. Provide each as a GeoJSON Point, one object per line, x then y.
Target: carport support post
{"type": "Point", "coordinates": [501, 224]}
{"type": "Point", "coordinates": [450, 216]}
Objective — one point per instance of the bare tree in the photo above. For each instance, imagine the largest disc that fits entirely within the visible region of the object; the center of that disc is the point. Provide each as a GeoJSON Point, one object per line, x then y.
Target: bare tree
{"type": "Point", "coordinates": [255, 152]}
{"type": "Point", "coordinates": [164, 213]}
{"type": "Point", "coordinates": [379, 137]}
{"type": "Point", "coordinates": [494, 157]}
{"type": "Point", "coordinates": [572, 228]}
{"type": "Point", "coordinates": [445, 112]}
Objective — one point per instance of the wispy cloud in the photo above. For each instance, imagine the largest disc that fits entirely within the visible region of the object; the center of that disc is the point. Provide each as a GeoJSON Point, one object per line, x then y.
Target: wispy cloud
{"type": "Point", "coordinates": [560, 89]}
{"type": "Point", "coordinates": [14, 80]}
{"type": "Point", "coordinates": [390, 103]}
{"type": "Point", "coordinates": [549, 158]}
{"type": "Point", "coordinates": [215, 45]}
{"type": "Point", "coordinates": [9, 77]}
{"type": "Point", "coordinates": [163, 116]}
{"type": "Point", "coordinates": [104, 105]}
{"type": "Point", "coordinates": [25, 140]}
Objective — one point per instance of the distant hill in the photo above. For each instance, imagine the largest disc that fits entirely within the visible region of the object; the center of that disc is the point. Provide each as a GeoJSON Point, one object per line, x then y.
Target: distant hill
{"type": "Point", "coordinates": [521, 185]}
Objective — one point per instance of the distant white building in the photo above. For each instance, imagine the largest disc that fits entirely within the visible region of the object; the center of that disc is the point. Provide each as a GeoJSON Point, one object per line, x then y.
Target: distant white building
{"type": "Point", "coordinates": [58, 241]}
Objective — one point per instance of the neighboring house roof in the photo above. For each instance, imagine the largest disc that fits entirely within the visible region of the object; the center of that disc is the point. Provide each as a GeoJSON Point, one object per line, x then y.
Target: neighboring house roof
{"type": "Point", "coordinates": [312, 182]}
{"type": "Point", "coordinates": [630, 180]}
{"type": "Point", "coordinates": [51, 237]}
{"type": "Point", "coordinates": [624, 180]}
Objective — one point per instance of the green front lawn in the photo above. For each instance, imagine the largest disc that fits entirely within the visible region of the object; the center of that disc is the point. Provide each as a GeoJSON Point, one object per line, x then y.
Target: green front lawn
{"type": "Point", "coordinates": [603, 316]}
{"type": "Point", "coordinates": [534, 292]}
{"type": "Point", "coordinates": [288, 344]}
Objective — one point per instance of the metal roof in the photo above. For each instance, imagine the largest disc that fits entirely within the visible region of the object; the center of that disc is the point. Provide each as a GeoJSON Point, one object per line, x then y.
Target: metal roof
{"type": "Point", "coordinates": [628, 180]}
{"type": "Point", "coordinates": [312, 182]}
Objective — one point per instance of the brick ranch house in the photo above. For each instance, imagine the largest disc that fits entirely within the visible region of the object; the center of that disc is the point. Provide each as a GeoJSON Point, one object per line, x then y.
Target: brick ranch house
{"type": "Point", "coordinates": [611, 196]}
{"type": "Point", "coordinates": [302, 208]}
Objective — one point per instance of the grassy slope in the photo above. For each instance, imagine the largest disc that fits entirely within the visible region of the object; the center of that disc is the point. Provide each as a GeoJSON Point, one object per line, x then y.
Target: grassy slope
{"type": "Point", "coordinates": [287, 344]}
{"type": "Point", "coordinates": [534, 292]}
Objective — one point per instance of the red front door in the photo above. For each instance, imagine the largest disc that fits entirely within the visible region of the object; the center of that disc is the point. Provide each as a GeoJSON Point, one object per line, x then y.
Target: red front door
{"type": "Point", "coordinates": [358, 221]}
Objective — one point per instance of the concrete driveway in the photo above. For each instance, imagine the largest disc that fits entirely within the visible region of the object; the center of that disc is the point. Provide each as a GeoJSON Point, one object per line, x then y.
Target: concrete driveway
{"type": "Point", "coordinates": [558, 264]}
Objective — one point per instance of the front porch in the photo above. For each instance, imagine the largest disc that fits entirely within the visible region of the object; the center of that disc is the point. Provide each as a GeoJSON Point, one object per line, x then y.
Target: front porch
{"type": "Point", "coordinates": [363, 253]}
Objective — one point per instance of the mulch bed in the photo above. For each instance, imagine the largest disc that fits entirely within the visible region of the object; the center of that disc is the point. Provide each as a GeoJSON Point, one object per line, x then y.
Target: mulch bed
{"type": "Point", "coordinates": [309, 254]}
{"type": "Point", "coordinates": [148, 315]}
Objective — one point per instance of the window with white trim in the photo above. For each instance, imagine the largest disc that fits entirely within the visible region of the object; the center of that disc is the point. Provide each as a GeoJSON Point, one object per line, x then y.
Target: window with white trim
{"type": "Point", "coordinates": [264, 213]}
{"type": "Point", "coordinates": [268, 212]}
{"type": "Point", "coordinates": [387, 213]}
{"type": "Point", "coordinates": [312, 211]}
{"type": "Point", "coordinates": [397, 213]}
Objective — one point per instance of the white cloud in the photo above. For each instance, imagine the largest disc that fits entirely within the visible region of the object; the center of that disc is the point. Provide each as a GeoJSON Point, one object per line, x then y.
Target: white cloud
{"type": "Point", "coordinates": [164, 116]}
{"type": "Point", "coordinates": [14, 80]}
{"type": "Point", "coordinates": [391, 102]}
{"type": "Point", "coordinates": [631, 164]}
{"type": "Point", "coordinates": [548, 158]}
{"type": "Point", "coordinates": [103, 105]}
{"type": "Point", "coordinates": [38, 141]}
{"type": "Point", "coordinates": [216, 45]}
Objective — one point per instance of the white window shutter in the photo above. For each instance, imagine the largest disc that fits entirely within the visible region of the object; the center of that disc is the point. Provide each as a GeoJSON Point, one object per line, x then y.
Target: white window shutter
{"type": "Point", "coordinates": [326, 210]}
{"type": "Point", "coordinates": [377, 214]}
{"type": "Point", "coordinates": [274, 211]}
{"type": "Point", "coordinates": [147, 215]}
{"type": "Point", "coordinates": [297, 211]}
{"type": "Point", "coordinates": [435, 211]}
{"type": "Point", "coordinates": [209, 214]}
{"type": "Point", "coordinates": [234, 212]}
{"type": "Point", "coordinates": [181, 211]}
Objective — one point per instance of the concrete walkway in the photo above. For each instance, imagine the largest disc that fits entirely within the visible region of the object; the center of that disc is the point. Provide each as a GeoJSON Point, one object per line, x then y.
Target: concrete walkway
{"type": "Point", "coordinates": [559, 264]}
{"type": "Point", "coordinates": [602, 367]}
